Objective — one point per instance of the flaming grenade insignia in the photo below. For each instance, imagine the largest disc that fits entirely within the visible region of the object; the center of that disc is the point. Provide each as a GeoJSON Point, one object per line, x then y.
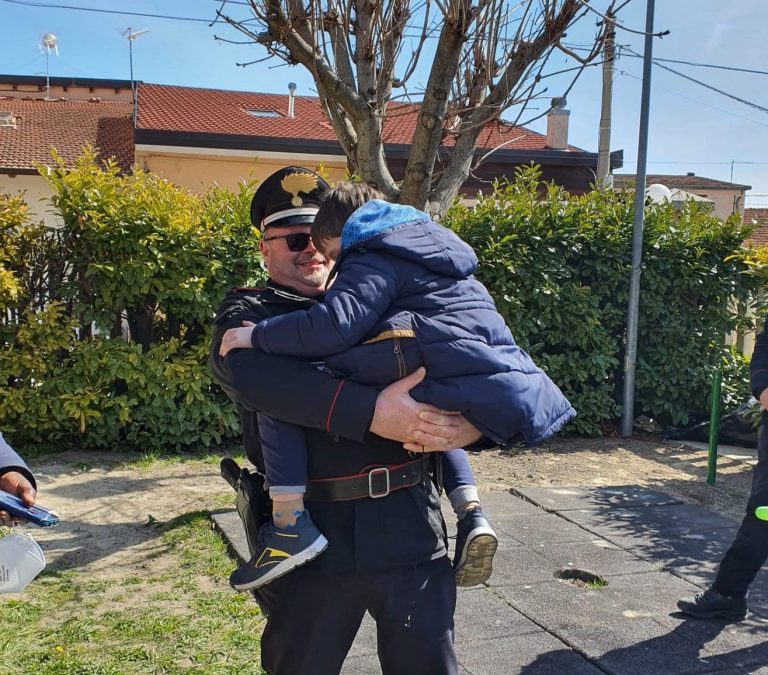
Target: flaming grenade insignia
{"type": "Point", "coordinates": [298, 182]}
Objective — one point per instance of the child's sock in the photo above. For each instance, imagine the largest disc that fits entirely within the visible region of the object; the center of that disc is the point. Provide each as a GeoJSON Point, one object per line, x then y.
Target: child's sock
{"type": "Point", "coordinates": [286, 508]}
{"type": "Point", "coordinates": [464, 498]}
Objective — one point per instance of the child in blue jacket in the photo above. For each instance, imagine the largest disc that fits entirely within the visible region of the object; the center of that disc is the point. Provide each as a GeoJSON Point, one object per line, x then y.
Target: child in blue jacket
{"type": "Point", "coordinates": [403, 295]}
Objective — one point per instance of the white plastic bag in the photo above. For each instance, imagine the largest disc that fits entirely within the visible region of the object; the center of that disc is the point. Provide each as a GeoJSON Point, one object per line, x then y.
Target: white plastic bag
{"type": "Point", "coordinates": [21, 560]}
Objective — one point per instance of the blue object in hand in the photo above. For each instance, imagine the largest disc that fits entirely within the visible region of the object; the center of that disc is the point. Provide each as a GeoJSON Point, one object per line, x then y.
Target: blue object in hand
{"type": "Point", "coordinates": [33, 514]}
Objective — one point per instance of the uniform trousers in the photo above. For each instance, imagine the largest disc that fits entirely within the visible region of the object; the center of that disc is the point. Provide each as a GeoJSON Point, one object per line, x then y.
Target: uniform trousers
{"type": "Point", "coordinates": [312, 620]}
{"type": "Point", "coordinates": [749, 551]}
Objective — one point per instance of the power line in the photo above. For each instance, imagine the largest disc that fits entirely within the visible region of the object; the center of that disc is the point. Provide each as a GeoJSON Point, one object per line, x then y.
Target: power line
{"type": "Point", "coordinates": [27, 3]}
{"type": "Point", "coordinates": [704, 103]}
{"type": "Point", "coordinates": [704, 84]}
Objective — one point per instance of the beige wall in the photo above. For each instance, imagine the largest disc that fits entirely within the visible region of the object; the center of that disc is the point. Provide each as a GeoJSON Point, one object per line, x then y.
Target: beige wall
{"type": "Point", "coordinates": [198, 172]}
{"type": "Point", "coordinates": [37, 194]}
{"type": "Point", "coordinates": [726, 201]}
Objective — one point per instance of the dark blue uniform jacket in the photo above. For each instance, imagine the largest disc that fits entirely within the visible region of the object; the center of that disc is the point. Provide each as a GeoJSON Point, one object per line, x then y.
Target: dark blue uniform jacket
{"type": "Point", "coordinates": [401, 275]}
{"type": "Point", "coordinates": [365, 535]}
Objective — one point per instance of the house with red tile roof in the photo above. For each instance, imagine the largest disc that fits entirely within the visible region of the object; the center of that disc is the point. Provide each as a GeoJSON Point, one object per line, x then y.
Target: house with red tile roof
{"type": "Point", "coordinates": [758, 219]}
{"type": "Point", "coordinates": [31, 125]}
{"type": "Point", "coordinates": [728, 198]}
{"type": "Point", "coordinates": [196, 137]}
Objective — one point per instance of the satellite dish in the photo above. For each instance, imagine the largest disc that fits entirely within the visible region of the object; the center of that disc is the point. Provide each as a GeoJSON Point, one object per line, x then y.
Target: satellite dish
{"type": "Point", "coordinates": [50, 42]}
{"type": "Point", "coordinates": [658, 193]}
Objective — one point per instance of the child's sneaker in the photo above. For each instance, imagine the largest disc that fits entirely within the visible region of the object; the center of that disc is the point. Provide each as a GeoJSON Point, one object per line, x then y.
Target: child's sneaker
{"type": "Point", "coordinates": [476, 544]}
{"type": "Point", "coordinates": [279, 551]}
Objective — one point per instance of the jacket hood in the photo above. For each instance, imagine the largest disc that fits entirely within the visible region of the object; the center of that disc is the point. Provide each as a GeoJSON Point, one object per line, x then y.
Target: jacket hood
{"type": "Point", "coordinates": [408, 233]}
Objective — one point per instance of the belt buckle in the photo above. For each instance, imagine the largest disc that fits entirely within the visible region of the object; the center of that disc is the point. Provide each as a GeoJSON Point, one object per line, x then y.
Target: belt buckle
{"type": "Point", "coordinates": [381, 470]}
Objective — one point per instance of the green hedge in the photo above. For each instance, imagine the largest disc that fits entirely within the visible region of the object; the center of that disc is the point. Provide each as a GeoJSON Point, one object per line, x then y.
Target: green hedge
{"type": "Point", "coordinates": [133, 250]}
{"type": "Point", "coordinates": [558, 267]}
{"type": "Point", "coordinates": [140, 250]}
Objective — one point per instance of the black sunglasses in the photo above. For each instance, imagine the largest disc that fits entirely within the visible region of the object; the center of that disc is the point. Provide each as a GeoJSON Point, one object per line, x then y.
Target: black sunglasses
{"type": "Point", "coordinates": [296, 242]}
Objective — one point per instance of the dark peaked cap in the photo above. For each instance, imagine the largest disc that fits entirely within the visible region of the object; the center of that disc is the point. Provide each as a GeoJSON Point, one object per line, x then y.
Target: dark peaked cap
{"type": "Point", "coordinates": [290, 196]}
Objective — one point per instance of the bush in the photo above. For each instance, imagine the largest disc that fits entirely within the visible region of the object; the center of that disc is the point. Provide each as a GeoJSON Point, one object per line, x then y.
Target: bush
{"type": "Point", "coordinates": [558, 267]}
{"type": "Point", "coordinates": [132, 249]}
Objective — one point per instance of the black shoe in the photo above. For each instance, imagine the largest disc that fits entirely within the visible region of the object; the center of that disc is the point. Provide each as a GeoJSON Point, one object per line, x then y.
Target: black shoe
{"type": "Point", "coordinates": [476, 544]}
{"type": "Point", "coordinates": [710, 604]}
{"type": "Point", "coordinates": [230, 471]}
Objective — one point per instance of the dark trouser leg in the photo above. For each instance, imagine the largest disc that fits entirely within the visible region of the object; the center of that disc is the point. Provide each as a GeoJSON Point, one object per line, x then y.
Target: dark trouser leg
{"type": "Point", "coordinates": [312, 620]}
{"type": "Point", "coordinates": [413, 609]}
{"type": "Point", "coordinates": [749, 551]}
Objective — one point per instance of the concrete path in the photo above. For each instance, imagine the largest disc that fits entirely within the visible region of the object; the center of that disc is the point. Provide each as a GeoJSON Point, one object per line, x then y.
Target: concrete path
{"type": "Point", "coordinates": [650, 548]}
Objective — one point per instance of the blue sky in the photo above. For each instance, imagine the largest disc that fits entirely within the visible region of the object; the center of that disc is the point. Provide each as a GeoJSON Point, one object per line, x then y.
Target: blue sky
{"type": "Point", "coordinates": [691, 128]}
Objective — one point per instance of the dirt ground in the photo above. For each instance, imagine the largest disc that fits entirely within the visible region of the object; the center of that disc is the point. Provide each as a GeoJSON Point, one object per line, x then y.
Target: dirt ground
{"type": "Point", "coordinates": [111, 513]}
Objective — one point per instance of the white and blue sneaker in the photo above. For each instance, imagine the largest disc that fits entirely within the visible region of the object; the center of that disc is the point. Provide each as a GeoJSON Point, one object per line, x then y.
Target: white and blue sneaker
{"type": "Point", "coordinates": [476, 544]}
{"type": "Point", "coordinates": [278, 551]}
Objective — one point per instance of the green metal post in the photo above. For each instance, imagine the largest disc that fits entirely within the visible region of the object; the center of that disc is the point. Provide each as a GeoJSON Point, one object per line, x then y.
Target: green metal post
{"type": "Point", "coordinates": [714, 426]}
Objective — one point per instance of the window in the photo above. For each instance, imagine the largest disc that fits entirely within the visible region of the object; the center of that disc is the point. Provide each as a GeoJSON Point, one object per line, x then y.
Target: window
{"type": "Point", "coordinates": [7, 119]}
{"type": "Point", "coordinates": [255, 112]}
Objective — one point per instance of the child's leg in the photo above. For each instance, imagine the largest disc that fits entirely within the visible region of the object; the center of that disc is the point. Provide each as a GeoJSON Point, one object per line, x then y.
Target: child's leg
{"type": "Point", "coordinates": [458, 481]}
{"type": "Point", "coordinates": [291, 539]}
{"type": "Point", "coordinates": [476, 542]}
{"type": "Point", "coordinates": [285, 465]}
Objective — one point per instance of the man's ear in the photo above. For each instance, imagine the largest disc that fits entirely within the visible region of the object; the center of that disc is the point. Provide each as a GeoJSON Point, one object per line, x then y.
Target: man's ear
{"type": "Point", "coordinates": [264, 250]}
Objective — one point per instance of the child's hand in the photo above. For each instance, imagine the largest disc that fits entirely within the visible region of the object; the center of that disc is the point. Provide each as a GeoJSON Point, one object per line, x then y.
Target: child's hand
{"type": "Point", "coordinates": [237, 338]}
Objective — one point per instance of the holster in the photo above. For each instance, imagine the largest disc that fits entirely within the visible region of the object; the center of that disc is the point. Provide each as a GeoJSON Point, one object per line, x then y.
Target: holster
{"type": "Point", "coordinates": [251, 499]}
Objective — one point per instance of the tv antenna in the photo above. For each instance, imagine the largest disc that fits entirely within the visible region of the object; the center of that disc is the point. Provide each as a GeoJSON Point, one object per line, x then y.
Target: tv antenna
{"type": "Point", "coordinates": [48, 43]}
{"type": "Point", "coordinates": [132, 35]}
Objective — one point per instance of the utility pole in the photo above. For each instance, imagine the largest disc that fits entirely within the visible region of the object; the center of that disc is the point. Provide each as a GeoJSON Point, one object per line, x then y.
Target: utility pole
{"type": "Point", "coordinates": [630, 359]}
{"type": "Point", "coordinates": [604, 139]}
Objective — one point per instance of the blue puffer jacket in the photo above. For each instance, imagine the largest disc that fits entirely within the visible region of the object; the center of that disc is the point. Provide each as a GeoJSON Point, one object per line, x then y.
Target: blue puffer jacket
{"type": "Point", "coordinates": [403, 296]}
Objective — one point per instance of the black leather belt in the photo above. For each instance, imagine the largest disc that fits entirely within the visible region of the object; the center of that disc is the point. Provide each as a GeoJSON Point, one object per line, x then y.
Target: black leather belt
{"type": "Point", "coordinates": [373, 483]}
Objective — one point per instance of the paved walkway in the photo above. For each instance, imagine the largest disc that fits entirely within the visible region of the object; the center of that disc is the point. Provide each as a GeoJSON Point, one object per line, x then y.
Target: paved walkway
{"type": "Point", "coordinates": [650, 548]}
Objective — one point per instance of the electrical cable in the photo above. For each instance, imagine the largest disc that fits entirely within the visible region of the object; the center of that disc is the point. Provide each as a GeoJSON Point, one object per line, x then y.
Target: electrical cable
{"type": "Point", "coordinates": [28, 3]}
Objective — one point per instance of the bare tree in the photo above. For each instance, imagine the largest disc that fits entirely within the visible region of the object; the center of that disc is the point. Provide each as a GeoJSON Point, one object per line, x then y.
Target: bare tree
{"type": "Point", "coordinates": [483, 57]}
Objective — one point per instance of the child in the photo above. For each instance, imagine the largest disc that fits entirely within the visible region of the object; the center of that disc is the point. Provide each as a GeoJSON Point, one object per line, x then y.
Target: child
{"type": "Point", "coordinates": [402, 296]}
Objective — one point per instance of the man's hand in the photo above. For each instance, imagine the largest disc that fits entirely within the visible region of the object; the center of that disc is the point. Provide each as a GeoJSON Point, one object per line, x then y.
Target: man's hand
{"type": "Point", "coordinates": [419, 426]}
{"type": "Point", "coordinates": [16, 483]}
{"type": "Point", "coordinates": [237, 338]}
{"type": "Point", "coordinates": [764, 399]}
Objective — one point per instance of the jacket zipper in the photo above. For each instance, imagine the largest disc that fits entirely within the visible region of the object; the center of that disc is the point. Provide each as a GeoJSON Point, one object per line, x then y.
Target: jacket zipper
{"type": "Point", "coordinates": [400, 360]}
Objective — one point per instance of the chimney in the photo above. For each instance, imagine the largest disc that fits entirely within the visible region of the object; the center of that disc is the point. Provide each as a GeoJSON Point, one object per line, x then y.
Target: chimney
{"type": "Point", "coordinates": [557, 124]}
{"type": "Point", "coordinates": [291, 100]}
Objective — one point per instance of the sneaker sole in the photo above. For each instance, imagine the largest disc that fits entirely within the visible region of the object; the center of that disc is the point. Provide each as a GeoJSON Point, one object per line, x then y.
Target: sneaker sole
{"type": "Point", "coordinates": [309, 553]}
{"type": "Point", "coordinates": [476, 564]}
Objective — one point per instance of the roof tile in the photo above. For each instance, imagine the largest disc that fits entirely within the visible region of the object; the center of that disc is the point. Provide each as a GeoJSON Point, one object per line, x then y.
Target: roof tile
{"type": "Point", "coordinates": [681, 182]}
{"type": "Point", "coordinates": [758, 218]}
{"type": "Point", "coordinates": [67, 126]}
{"type": "Point", "coordinates": [216, 111]}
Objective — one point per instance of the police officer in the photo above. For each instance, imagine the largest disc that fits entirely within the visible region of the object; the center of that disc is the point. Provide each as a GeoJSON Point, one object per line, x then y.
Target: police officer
{"type": "Point", "coordinates": [387, 550]}
{"type": "Point", "coordinates": [727, 597]}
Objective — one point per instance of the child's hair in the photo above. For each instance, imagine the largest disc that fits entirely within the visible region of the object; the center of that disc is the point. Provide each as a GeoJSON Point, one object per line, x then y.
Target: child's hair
{"type": "Point", "coordinates": [336, 206]}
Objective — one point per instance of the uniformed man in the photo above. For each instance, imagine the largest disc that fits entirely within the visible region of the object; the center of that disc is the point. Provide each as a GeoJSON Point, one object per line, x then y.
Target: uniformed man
{"type": "Point", "coordinates": [726, 598]}
{"type": "Point", "coordinates": [387, 551]}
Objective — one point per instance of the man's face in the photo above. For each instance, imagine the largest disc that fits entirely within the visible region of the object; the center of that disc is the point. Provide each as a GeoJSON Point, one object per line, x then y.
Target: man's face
{"type": "Point", "coordinates": [305, 271]}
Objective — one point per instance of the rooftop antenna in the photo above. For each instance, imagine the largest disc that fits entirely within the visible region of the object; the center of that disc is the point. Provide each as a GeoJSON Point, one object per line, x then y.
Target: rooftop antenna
{"type": "Point", "coordinates": [132, 35]}
{"type": "Point", "coordinates": [48, 43]}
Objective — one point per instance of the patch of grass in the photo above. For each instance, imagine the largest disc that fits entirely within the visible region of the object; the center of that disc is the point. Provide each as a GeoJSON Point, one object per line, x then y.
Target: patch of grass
{"type": "Point", "coordinates": [154, 460]}
{"type": "Point", "coordinates": [597, 583]}
{"type": "Point", "coordinates": [179, 620]}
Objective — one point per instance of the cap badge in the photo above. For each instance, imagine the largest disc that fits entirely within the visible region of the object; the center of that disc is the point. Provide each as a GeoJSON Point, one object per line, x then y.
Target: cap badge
{"type": "Point", "coordinates": [298, 182]}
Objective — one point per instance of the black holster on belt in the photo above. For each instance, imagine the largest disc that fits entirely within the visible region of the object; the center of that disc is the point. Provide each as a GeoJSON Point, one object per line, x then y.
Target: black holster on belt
{"type": "Point", "coordinates": [251, 498]}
